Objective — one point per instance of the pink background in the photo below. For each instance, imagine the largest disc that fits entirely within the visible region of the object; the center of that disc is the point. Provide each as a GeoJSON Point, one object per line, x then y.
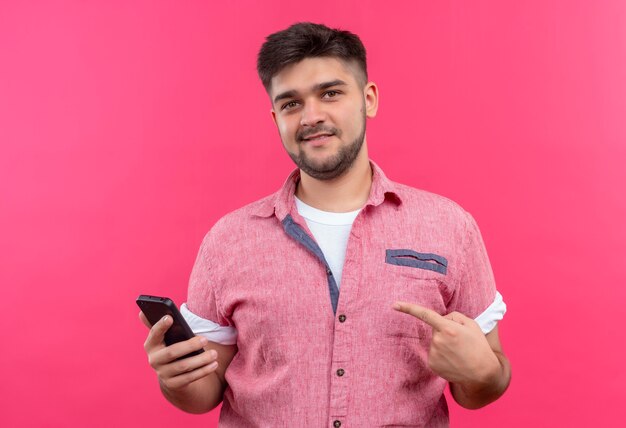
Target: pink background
{"type": "Point", "coordinates": [128, 128]}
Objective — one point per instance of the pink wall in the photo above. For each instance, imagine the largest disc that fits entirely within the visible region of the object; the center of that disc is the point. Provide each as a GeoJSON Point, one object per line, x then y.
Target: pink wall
{"type": "Point", "coordinates": [127, 128]}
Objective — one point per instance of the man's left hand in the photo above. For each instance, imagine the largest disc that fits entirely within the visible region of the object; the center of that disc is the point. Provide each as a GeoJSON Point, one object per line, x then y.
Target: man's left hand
{"type": "Point", "coordinates": [459, 351]}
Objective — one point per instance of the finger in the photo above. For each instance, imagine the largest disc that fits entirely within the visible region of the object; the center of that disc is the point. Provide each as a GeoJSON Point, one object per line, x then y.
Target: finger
{"type": "Point", "coordinates": [429, 316]}
{"type": "Point", "coordinates": [157, 333]}
{"type": "Point", "coordinates": [178, 367]}
{"type": "Point", "coordinates": [456, 317]}
{"type": "Point", "coordinates": [171, 353]}
{"type": "Point", "coordinates": [144, 320]}
{"type": "Point", "coordinates": [186, 378]}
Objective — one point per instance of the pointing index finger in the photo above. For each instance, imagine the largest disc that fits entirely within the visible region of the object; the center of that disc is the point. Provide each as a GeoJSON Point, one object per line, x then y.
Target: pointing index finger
{"type": "Point", "coordinates": [429, 316]}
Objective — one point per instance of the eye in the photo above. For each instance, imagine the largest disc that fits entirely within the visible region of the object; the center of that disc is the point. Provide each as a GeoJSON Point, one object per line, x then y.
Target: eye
{"type": "Point", "coordinates": [289, 105]}
{"type": "Point", "coordinates": [330, 94]}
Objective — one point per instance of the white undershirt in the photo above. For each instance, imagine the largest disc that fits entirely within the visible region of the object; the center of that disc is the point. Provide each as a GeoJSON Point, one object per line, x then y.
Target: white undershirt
{"type": "Point", "coordinates": [331, 232]}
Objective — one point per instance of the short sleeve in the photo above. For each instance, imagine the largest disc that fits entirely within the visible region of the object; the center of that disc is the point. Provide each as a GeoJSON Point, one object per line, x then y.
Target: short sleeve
{"type": "Point", "coordinates": [209, 329]}
{"type": "Point", "coordinates": [494, 313]}
{"type": "Point", "coordinates": [475, 289]}
{"type": "Point", "coordinates": [201, 294]}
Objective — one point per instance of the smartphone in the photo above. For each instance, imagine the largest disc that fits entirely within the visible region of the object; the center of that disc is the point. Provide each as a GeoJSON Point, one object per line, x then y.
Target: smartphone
{"type": "Point", "coordinates": [155, 308]}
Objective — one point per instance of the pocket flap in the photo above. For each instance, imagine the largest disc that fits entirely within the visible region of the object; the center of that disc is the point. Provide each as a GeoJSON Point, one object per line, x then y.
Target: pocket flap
{"type": "Point", "coordinates": [406, 257]}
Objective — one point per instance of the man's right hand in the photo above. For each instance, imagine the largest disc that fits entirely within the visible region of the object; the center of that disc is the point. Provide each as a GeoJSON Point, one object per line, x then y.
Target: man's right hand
{"type": "Point", "coordinates": [176, 374]}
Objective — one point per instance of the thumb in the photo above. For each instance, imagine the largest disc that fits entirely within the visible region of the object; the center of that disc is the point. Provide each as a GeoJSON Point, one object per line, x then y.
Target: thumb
{"type": "Point", "coordinates": [157, 333]}
{"type": "Point", "coordinates": [457, 317]}
{"type": "Point", "coordinates": [144, 320]}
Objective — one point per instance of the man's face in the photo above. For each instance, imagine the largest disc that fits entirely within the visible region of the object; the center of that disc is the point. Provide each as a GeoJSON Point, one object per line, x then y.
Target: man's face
{"type": "Point", "coordinates": [320, 110]}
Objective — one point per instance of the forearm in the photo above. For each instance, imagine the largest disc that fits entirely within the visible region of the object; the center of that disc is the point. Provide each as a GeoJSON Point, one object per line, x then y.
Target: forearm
{"type": "Point", "coordinates": [200, 396]}
{"type": "Point", "coordinates": [477, 394]}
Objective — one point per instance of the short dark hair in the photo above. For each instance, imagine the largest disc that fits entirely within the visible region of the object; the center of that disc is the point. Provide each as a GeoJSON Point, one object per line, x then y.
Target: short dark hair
{"type": "Point", "coordinates": [308, 40]}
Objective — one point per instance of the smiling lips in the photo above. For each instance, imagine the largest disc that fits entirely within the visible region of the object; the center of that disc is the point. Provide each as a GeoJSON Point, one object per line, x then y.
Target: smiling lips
{"type": "Point", "coordinates": [317, 139]}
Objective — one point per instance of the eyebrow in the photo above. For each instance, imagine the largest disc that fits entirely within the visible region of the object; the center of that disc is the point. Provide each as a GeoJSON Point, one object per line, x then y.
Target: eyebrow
{"type": "Point", "coordinates": [315, 88]}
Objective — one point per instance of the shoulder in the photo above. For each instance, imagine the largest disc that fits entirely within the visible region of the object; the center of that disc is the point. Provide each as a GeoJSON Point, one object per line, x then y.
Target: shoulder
{"type": "Point", "coordinates": [424, 205]}
{"type": "Point", "coordinates": [240, 221]}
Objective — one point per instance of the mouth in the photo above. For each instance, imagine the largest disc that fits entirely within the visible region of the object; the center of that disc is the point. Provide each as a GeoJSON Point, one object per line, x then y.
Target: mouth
{"type": "Point", "coordinates": [318, 137]}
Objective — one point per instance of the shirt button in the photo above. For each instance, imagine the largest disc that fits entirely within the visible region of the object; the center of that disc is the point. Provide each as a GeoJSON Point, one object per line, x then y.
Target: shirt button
{"type": "Point", "coordinates": [342, 318]}
{"type": "Point", "coordinates": [329, 272]}
{"type": "Point", "coordinates": [337, 424]}
{"type": "Point", "coordinates": [340, 372]}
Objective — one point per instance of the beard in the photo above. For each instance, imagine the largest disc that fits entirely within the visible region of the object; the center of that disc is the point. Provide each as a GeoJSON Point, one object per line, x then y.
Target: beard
{"type": "Point", "coordinates": [336, 165]}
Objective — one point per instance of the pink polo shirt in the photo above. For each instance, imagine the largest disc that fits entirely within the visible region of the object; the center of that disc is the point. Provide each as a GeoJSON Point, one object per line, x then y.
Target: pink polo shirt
{"type": "Point", "coordinates": [309, 356]}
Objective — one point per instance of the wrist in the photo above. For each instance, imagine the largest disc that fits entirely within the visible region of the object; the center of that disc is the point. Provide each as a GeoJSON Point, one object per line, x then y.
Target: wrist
{"type": "Point", "coordinates": [486, 377]}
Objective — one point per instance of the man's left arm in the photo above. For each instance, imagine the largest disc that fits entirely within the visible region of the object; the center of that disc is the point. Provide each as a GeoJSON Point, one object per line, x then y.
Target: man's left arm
{"type": "Point", "coordinates": [473, 363]}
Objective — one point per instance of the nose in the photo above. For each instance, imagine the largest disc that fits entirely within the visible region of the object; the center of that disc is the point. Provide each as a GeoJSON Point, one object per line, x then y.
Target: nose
{"type": "Point", "coordinates": [312, 114]}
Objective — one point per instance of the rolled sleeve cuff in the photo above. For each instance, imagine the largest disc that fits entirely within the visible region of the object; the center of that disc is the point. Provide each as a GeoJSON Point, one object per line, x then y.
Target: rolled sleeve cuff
{"type": "Point", "coordinates": [209, 329]}
{"type": "Point", "coordinates": [494, 313]}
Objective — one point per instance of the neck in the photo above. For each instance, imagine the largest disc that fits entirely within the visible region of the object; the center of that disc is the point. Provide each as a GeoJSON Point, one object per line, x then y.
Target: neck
{"type": "Point", "coordinates": [349, 192]}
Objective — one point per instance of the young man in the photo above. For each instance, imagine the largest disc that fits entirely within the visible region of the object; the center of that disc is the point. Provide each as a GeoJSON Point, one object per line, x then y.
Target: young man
{"type": "Point", "coordinates": [344, 298]}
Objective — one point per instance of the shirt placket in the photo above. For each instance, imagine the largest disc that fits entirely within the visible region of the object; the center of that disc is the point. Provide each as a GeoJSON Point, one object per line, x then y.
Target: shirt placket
{"type": "Point", "coordinates": [342, 354]}
{"type": "Point", "coordinates": [342, 334]}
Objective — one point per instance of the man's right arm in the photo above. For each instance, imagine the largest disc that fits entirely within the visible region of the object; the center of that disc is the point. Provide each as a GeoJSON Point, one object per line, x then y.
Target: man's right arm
{"type": "Point", "coordinates": [194, 384]}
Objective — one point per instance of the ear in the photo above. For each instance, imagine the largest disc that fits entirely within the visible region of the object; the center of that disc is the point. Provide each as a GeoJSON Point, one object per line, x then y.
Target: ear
{"type": "Point", "coordinates": [273, 113]}
{"type": "Point", "coordinates": [370, 93]}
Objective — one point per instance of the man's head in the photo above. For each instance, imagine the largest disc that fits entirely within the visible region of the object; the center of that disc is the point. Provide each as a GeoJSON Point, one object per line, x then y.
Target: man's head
{"type": "Point", "coordinates": [316, 78]}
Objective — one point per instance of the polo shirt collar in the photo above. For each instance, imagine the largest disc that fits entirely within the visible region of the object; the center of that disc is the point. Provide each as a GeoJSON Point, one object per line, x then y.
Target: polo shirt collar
{"type": "Point", "coordinates": [282, 201]}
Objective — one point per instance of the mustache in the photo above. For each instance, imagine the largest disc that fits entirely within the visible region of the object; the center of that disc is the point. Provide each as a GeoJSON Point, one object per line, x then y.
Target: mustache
{"type": "Point", "coordinates": [320, 129]}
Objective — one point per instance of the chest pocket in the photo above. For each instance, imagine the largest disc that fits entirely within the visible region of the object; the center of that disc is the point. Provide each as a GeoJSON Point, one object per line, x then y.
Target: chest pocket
{"type": "Point", "coordinates": [418, 278]}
